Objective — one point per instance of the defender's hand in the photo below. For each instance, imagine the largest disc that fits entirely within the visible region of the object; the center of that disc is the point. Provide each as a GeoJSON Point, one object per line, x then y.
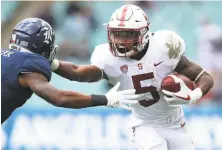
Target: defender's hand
{"type": "Point", "coordinates": [121, 98]}
{"type": "Point", "coordinates": [184, 96]}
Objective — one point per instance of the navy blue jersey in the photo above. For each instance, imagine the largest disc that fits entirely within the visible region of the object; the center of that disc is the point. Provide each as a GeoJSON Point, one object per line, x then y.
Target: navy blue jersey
{"type": "Point", "coordinates": [13, 63]}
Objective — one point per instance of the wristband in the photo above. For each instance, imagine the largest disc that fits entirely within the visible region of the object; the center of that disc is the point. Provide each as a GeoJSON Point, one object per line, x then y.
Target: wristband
{"type": "Point", "coordinates": [199, 75]}
{"type": "Point", "coordinates": [98, 100]}
{"type": "Point", "coordinates": [196, 94]}
{"type": "Point", "coordinates": [55, 64]}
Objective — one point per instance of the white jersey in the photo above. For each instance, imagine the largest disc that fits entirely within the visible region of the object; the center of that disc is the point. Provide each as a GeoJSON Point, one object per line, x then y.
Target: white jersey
{"type": "Point", "coordinates": [164, 52]}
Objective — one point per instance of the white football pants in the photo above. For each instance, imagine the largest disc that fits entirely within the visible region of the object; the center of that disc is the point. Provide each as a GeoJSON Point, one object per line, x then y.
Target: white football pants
{"type": "Point", "coordinates": [147, 137]}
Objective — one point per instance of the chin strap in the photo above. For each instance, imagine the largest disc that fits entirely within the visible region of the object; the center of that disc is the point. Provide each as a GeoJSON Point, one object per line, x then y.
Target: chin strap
{"type": "Point", "coordinates": [53, 53]}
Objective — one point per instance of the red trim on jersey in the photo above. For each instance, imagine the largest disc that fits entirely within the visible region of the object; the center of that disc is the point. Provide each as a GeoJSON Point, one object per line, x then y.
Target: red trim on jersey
{"type": "Point", "coordinates": [123, 17]}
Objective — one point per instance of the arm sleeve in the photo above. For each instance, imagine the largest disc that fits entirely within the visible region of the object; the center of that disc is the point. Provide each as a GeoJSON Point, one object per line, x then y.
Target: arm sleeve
{"type": "Point", "coordinates": [36, 63]}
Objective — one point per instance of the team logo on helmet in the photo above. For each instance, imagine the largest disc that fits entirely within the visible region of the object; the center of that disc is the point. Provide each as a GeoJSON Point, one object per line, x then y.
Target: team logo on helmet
{"type": "Point", "coordinates": [124, 69]}
{"type": "Point", "coordinates": [48, 36]}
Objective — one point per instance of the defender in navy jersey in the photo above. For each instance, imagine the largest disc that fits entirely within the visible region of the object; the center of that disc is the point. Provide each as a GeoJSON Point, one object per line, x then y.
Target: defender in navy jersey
{"type": "Point", "coordinates": [26, 69]}
{"type": "Point", "coordinates": [15, 63]}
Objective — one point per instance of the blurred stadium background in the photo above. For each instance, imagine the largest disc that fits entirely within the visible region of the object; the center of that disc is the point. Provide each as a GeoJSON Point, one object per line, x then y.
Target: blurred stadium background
{"type": "Point", "coordinates": [79, 28]}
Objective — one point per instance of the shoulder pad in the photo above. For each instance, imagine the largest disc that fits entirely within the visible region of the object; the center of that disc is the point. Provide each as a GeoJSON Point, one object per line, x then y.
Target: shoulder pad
{"type": "Point", "coordinates": [36, 63]}
{"type": "Point", "coordinates": [173, 44]}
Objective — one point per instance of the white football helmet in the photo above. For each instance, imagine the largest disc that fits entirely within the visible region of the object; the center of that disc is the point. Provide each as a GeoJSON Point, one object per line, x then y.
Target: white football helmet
{"type": "Point", "coordinates": [128, 31]}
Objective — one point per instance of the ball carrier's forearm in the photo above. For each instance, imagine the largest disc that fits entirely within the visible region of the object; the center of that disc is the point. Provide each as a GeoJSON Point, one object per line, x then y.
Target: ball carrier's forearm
{"type": "Point", "coordinates": [196, 73]}
{"type": "Point", "coordinates": [204, 82]}
{"type": "Point", "coordinates": [84, 73]}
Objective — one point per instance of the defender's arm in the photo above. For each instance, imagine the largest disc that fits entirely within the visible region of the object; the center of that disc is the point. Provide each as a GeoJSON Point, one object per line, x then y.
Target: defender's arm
{"type": "Point", "coordinates": [41, 87]}
{"type": "Point", "coordinates": [83, 73]}
{"type": "Point", "coordinates": [195, 73]}
{"type": "Point", "coordinates": [69, 99]}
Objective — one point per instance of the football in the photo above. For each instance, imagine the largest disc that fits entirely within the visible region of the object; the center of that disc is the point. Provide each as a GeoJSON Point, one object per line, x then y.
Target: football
{"type": "Point", "coordinates": [169, 84]}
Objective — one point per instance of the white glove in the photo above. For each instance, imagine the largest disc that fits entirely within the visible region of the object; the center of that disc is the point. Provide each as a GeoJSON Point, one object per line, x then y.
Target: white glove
{"type": "Point", "coordinates": [184, 96]}
{"type": "Point", "coordinates": [122, 98]}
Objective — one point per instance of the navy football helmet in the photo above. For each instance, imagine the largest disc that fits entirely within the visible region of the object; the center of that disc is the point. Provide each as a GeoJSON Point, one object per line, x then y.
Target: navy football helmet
{"type": "Point", "coordinates": [35, 35]}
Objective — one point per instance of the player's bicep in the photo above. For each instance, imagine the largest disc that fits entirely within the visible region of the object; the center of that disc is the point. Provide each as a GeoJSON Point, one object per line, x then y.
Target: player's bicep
{"type": "Point", "coordinates": [188, 68]}
{"type": "Point", "coordinates": [39, 84]}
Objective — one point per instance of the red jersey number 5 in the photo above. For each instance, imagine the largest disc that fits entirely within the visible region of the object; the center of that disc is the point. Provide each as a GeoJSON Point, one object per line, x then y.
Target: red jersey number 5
{"type": "Point", "coordinates": [139, 89]}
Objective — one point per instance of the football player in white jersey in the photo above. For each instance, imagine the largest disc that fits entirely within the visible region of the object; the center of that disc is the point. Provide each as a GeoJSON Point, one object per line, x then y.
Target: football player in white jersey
{"type": "Point", "coordinates": [139, 59]}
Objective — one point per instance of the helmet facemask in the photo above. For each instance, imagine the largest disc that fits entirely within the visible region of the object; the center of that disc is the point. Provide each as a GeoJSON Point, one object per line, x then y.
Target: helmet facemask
{"type": "Point", "coordinates": [53, 53]}
{"type": "Point", "coordinates": [126, 42]}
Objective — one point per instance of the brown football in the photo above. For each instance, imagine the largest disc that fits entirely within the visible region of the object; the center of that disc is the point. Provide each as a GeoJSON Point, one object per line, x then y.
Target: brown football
{"type": "Point", "coordinates": [169, 84]}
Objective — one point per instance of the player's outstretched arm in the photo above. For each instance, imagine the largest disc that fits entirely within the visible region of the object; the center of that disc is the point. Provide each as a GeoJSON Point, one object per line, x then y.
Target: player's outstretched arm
{"type": "Point", "coordinates": [70, 99]}
{"type": "Point", "coordinates": [83, 73]}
